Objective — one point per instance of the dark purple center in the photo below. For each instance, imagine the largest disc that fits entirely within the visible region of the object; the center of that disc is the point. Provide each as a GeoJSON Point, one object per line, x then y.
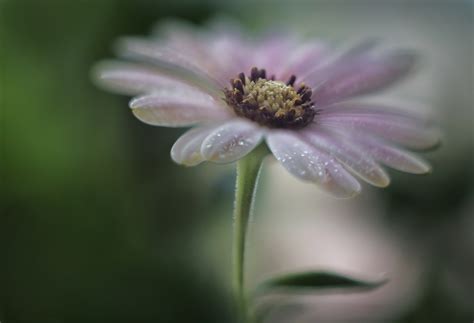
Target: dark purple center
{"type": "Point", "coordinates": [269, 102]}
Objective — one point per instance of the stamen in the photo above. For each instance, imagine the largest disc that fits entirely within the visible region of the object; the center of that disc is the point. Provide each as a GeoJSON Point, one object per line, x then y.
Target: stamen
{"type": "Point", "coordinates": [291, 81]}
{"type": "Point", "coordinates": [239, 97]}
{"type": "Point", "coordinates": [301, 89]}
{"type": "Point", "coordinates": [271, 103]}
{"type": "Point", "coordinates": [242, 78]}
{"type": "Point", "coordinates": [306, 95]}
{"type": "Point", "coordinates": [254, 74]}
{"type": "Point", "coordinates": [238, 85]}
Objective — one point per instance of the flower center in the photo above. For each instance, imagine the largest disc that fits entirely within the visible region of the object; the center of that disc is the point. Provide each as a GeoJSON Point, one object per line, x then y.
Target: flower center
{"type": "Point", "coordinates": [271, 103]}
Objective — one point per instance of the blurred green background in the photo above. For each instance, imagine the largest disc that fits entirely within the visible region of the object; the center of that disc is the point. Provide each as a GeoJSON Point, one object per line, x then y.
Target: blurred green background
{"type": "Point", "coordinates": [98, 225]}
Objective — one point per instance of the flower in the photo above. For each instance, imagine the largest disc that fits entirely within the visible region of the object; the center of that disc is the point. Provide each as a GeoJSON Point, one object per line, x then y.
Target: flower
{"type": "Point", "coordinates": [297, 96]}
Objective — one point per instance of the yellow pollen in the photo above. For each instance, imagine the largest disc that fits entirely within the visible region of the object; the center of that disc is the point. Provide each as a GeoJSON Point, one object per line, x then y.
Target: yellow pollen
{"type": "Point", "coordinates": [275, 96]}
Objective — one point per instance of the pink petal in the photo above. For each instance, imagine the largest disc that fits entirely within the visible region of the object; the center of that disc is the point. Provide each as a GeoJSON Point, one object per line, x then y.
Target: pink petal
{"type": "Point", "coordinates": [363, 76]}
{"type": "Point", "coordinates": [273, 52]}
{"type": "Point", "coordinates": [187, 149]}
{"type": "Point", "coordinates": [222, 54]}
{"type": "Point", "coordinates": [351, 156]}
{"type": "Point", "coordinates": [394, 157]}
{"type": "Point", "coordinates": [231, 141]}
{"type": "Point", "coordinates": [359, 49]}
{"type": "Point", "coordinates": [168, 61]}
{"type": "Point", "coordinates": [178, 108]}
{"type": "Point", "coordinates": [356, 71]}
{"type": "Point", "coordinates": [415, 114]}
{"type": "Point", "coordinates": [301, 59]}
{"type": "Point", "coordinates": [311, 164]}
{"type": "Point", "coordinates": [337, 62]}
{"type": "Point", "coordinates": [397, 128]}
{"type": "Point", "coordinates": [192, 47]}
{"type": "Point", "coordinates": [132, 79]}
{"type": "Point", "coordinates": [228, 57]}
{"type": "Point", "coordinates": [229, 47]}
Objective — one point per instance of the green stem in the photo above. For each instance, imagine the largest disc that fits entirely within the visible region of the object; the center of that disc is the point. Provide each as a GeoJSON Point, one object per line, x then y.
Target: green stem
{"type": "Point", "coordinates": [248, 169]}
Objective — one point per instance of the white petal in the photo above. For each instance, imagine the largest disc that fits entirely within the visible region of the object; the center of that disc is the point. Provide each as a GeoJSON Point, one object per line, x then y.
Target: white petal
{"type": "Point", "coordinates": [231, 141]}
{"type": "Point", "coordinates": [349, 154]}
{"type": "Point", "coordinates": [177, 108]}
{"type": "Point", "coordinates": [187, 149]}
{"type": "Point", "coordinates": [309, 163]}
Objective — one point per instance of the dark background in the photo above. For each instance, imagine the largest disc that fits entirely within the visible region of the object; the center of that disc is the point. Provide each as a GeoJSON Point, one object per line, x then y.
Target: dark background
{"type": "Point", "coordinates": [98, 225]}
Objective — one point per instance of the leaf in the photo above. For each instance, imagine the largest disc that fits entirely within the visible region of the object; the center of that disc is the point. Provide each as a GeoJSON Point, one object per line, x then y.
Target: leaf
{"type": "Point", "coordinates": [313, 280]}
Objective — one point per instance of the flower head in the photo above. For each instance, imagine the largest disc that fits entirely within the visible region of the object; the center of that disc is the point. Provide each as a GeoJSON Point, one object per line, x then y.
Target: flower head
{"type": "Point", "coordinates": [295, 96]}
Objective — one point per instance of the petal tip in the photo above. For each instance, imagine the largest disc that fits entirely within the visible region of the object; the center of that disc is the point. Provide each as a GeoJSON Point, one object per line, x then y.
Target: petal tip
{"type": "Point", "coordinates": [348, 194]}
{"type": "Point", "coordinates": [191, 160]}
{"type": "Point", "coordinates": [100, 73]}
{"type": "Point", "coordinates": [385, 182]}
{"type": "Point", "coordinates": [133, 103]}
{"type": "Point", "coordinates": [350, 190]}
{"type": "Point", "coordinates": [424, 169]}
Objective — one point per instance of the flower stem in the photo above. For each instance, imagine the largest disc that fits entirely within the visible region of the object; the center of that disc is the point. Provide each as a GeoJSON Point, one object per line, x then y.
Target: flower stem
{"type": "Point", "coordinates": [248, 169]}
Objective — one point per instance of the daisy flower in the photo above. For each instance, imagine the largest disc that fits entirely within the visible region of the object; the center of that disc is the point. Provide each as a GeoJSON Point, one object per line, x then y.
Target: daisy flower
{"type": "Point", "coordinates": [296, 96]}
{"type": "Point", "coordinates": [245, 97]}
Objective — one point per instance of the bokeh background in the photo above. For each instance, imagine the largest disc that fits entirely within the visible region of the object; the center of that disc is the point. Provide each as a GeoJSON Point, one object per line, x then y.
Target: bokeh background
{"type": "Point", "coordinates": [98, 225]}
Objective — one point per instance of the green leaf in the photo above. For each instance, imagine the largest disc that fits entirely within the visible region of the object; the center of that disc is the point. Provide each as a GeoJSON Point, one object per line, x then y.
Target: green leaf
{"type": "Point", "coordinates": [315, 281]}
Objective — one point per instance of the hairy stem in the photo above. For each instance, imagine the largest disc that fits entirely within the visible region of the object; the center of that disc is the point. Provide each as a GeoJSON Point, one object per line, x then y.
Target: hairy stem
{"type": "Point", "coordinates": [248, 169]}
